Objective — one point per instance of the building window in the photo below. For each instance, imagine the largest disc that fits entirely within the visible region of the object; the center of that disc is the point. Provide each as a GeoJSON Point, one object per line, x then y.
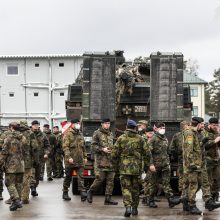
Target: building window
{"type": "Point", "coordinates": [12, 70]}
{"type": "Point", "coordinates": [195, 111]}
{"type": "Point", "coordinates": [194, 92]}
{"type": "Point", "coordinates": [11, 94]}
{"type": "Point", "coordinates": [62, 94]}
{"type": "Point", "coordinates": [36, 93]}
{"type": "Point", "coordinates": [37, 65]}
{"type": "Point", "coordinates": [61, 64]}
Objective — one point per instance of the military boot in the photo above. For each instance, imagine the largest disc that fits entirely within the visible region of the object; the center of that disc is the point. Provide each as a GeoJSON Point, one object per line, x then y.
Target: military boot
{"type": "Point", "coordinates": [185, 205]}
{"type": "Point", "coordinates": [152, 203]}
{"type": "Point", "coordinates": [134, 211]}
{"type": "Point", "coordinates": [83, 195]}
{"type": "Point", "coordinates": [1, 197]}
{"type": "Point", "coordinates": [173, 201]}
{"type": "Point", "coordinates": [215, 197]}
{"type": "Point", "coordinates": [194, 210]}
{"type": "Point", "coordinates": [211, 205]}
{"type": "Point", "coordinates": [127, 212]}
{"type": "Point", "coordinates": [15, 205]}
{"type": "Point", "coordinates": [109, 201]}
{"type": "Point", "coordinates": [49, 178]}
{"type": "Point", "coordinates": [34, 191]}
{"type": "Point", "coordinates": [66, 196]}
{"type": "Point", "coordinates": [89, 196]}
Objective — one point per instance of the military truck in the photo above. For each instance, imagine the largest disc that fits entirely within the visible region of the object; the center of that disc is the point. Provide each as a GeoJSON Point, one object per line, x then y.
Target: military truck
{"type": "Point", "coordinates": [110, 87]}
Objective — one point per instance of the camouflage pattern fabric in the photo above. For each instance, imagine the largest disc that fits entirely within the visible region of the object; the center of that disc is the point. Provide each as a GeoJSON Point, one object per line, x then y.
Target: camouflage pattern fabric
{"type": "Point", "coordinates": [100, 176]}
{"type": "Point", "coordinates": [14, 184]}
{"type": "Point", "coordinates": [26, 184]}
{"type": "Point", "coordinates": [68, 178]}
{"type": "Point", "coordinates": [102, 138]}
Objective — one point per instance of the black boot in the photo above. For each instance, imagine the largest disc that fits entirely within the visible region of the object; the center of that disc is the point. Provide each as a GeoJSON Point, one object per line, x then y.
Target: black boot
{"type": "Point", "coordinates": [66, 196]}
{"type": "Point", "coordinates": [109, 201]}
{"type": "Point", "coordinates": [83, 196]}
{"type": "Point", "coordinates": [127, 212]}
{"type": "Point", "coordinates": [1, 197]}
{"type": "Point", "coordinates": [34, 191]}
{"type": "Point", "coordinates": [211, 205]}
{"type": "Point", "coordinates": [185, 205]}
{"type": "Point", "coordinates": [89, 196]}
{"type": "Point", "coordinates": [215, 197]}
{"type": "Point", "coordinates": [15, 205]}
{"type": "Point", "coordinates": [152, 203]}
{"type": "Point", "coordinates": [194, 210]}
{"type": "Point", "coordinates": [173, 201]}
{"type": "Point", "coordinates": [49, 178]}
{"type": "Point", "coordinates": [134, 211]}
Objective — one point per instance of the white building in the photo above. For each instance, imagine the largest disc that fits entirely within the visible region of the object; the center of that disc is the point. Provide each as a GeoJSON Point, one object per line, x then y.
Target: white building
{"type": "Point", "coordinates": [35, 87]}
{"type": "Point", "coordinates": [197, 90]}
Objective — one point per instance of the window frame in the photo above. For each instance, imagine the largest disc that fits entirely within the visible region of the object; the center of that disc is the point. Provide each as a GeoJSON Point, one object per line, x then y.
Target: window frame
{"type": "Point", "coordinates": [12, 64]}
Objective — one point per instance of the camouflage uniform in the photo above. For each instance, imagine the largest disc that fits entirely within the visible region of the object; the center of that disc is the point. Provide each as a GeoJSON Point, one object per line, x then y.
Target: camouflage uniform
{"type": "Point", "coordinates": [159, 150]}
{"type": "Point", "coordinates": [40, 146]}
{"type": "Point", "coordinates": [25, 130]}
{"type": "Point", "coordinates": [58, 155]}
{"type": "Point", "coordinates": [73, 147]}
{"type": "Point", "coordinates": [103, 166]}
{"type": "Point", "coordinates": [213, 160]}
{"type": "Point", "coordinates": [1, 168]}
{"type": "Point", "coordinates": [127, 155]}
{"type": "Point", "coordinates": [50, 162]}
{"type": "Point", "coordinates": [192, 163]}
{"type": "Point", "coordinates": [12, 156]}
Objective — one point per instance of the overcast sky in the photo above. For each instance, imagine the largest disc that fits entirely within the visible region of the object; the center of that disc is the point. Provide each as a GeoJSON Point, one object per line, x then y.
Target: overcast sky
{"type": "Point", "coordinates": [138, 27]}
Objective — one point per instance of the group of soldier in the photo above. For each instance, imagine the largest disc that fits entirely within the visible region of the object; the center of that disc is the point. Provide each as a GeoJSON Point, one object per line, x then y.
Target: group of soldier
{"type": "Point", "coordinates": [139, 149]}
{"type": "Point", "coordinates": [24, 151]}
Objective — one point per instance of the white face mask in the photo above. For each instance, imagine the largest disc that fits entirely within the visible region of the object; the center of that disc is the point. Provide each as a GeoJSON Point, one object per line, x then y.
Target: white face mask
{"type": "Point", "coordinates": [161, 131]}
{"type": "Point", "coordinates": [140, 129]}
{"type": "Point", "coordinates": [77, 126]}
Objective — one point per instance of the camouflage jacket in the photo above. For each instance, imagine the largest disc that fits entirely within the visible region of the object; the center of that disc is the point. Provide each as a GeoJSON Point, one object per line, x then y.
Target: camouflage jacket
{"type": "Point", "coordinates": [74, 147]}
{"type": "Point", "coordinates": [27, 148]}
{"type": "Point", "coordinates": [58, 147]}
{"type": "Point", "coordinates": [159, 150]}
{"type": "Point", "coordinates": [176, 148]}
{"type": "Point", "coordinates": [102, 138]}
{"type": "Point", "coordinates": [192, 154]}
{"type": "Point", "coordinates": [211, 148]}
{"type": "Point", "coordinates": [39, 145]}
{"type": "Point", "coordinates": [129, 152]}
{"type": "Point", "coordinates": [12, 155]}
{"type": "Point", "coordinates": [3, 135]}
{"type": "Point", "coordinates": [52, 142]}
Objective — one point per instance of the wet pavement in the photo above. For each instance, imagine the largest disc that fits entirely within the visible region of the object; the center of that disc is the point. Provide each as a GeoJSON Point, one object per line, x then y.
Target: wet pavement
{"type": "Point", "coordinates": [49, 205]}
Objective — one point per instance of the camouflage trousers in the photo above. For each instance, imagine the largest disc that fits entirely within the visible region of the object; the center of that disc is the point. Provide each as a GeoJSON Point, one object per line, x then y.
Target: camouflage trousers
{"type": "Point", "coordinates": [130, 190]}
{"type": "Point", "coordinates": [181, 178]}
{"type": "Point", "coordinates": [59, 164]}
{"type": "Point", "coordinates": [14, 184]}
{"type": "Point", "coordinates": [214, 178]}
{"type": "Point", "coordinates": [1, 180]}
{"type": "Point", "coordinates": [26, 184]}
{"type": "Point", "coordinates": [68, 178]}
{"type": "Point", "coordinates": [49, 167]}
{"type": "Point", "coordinates": [193, 183]}
{"type": "Point", "coordinates": [100, 176]}
{"type": "Point", "coordinates": [35, 175]}
{"type": "Point", "coordinates": [146, 184]}
{"type": "Point", "coordinates": [161, 175]}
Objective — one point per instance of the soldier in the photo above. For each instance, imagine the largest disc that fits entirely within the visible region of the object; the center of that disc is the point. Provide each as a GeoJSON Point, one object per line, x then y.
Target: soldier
{"type": "Point", "coordinates": [40, 146]}
{"type": "Point", "coordinates": [50, 162]}
{"type": "Point", "coordinates": [25, 130]}
{"type": "Point", "coordinates": [58, 153]}
{"type": "Point", "coordinates": [128, 154]}
{"type": "Point", "coordinates": [211, 144]}
{"type": "Point", "coordinates": [195, 169]}
{"type": "Point", "coordinates": [75, 158]}
{"type": "Point", "coordinates": [102, 144]}
{"type": "Point", "coordinates": [159, 150]}
{"type": "Point", "coordinates": [142, 126]}
{"type": "Point", "coordinates": [12, 156]}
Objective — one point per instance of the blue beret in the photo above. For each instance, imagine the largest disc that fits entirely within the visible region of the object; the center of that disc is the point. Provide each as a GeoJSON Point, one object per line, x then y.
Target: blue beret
{"type": "Point", "coordinates": [131, 123]}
